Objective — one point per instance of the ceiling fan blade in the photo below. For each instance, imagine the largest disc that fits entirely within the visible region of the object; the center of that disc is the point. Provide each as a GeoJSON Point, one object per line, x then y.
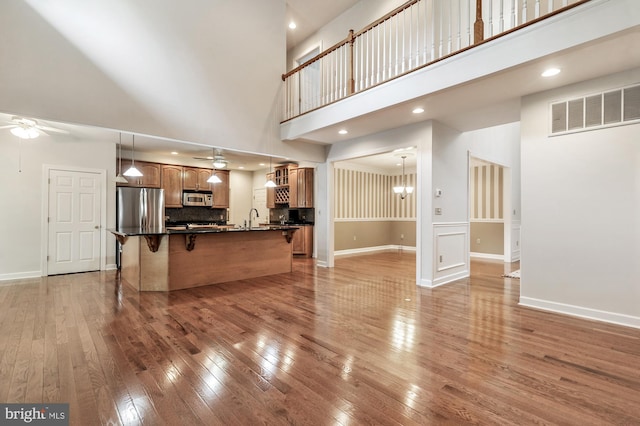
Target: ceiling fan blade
{"type": "Point", "coordinates": [8, 126]}
{"type": "Point", "coordinates": [202, 158]}
{"type": "Point", "coordinates": [51, 129]}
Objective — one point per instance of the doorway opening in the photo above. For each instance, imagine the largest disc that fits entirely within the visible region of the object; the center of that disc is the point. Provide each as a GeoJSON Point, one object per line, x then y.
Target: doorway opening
{"type": "Point", "coordinates": [490, 203]}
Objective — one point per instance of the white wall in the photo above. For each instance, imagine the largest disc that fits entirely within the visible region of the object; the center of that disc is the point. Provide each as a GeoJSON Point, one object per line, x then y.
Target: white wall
{"type": "Point", "coordinates": [202, 71]}
{"type": "Point", "coordinates": [240, 196]}
{"type": "Point", "coordinates": [355, 18]}
{"type": "Point", "coordinates": [21, 195]}
{"type": "Point", "coordinates": [581, 212]}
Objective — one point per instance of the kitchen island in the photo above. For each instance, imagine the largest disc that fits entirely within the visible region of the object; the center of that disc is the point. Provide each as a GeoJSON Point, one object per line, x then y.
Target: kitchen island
{"type": "Point", "coordinates": [176, 258]}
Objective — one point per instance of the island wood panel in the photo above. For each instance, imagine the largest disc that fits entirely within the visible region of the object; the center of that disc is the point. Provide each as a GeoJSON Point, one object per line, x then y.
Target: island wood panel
{"type": "Point", "coordinates": [222, 257]}
{"type": "Point", "coordinates": [143, 269]}
{"type": "Point", "coordinates": [130, 262]}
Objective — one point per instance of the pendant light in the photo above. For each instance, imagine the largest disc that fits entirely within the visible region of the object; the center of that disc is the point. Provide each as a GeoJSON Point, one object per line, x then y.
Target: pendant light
{"type": "Point", "coordinates": [214, 178]}
{"type": "Point", "coordinates": [270, 183]}
{"type": "Point", "coordinates": [120, 178]}
{"type": "Point", "coordinates": [403, 190]}
{"type": "Point", "coordinates": [132, 171]}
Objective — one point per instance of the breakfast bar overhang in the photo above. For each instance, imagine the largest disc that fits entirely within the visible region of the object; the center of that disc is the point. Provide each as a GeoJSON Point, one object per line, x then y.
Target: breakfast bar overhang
{"type": "Point", "coordinates": [178, 259]}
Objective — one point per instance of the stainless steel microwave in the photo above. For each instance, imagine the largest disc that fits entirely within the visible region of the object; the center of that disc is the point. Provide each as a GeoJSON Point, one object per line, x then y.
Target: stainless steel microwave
{"type": "Point", "coordinates": [197, 199]}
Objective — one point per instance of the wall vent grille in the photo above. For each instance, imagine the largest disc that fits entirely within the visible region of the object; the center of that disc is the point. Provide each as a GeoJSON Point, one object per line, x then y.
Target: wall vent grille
{"type": "Point", "coordinates": [611, 108]}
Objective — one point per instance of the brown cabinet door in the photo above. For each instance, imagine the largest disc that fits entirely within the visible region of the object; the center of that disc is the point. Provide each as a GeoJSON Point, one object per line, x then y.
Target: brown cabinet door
{"type": "Point", "coordinates": [302, 242]}
{"type": "Point", "coordinates": [172, 185]}
{"type": "Point", "coordinates": [301, 188]}
{"type": "Point", "coordinates": [203, 176]}
{"type": "Point", "coordinates": [190, 178]}
{"type": "Point", "coordinates": [221, 190]}
{"type": "Point", "coordinates": [195, 179]}
{"type": "Point", "coordinates": [293, 188]}
{"type": "Point", "coordinates": [297, 242]}
{"type": "Point", "coordinates": [150, 174]}
{"type": "Point", "coordinates": [271, 193]}
{"type": "Point", "coordinates": [305, 199]}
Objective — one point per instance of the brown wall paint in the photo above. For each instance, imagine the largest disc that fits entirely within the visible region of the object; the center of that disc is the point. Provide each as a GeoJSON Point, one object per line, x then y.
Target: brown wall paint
{"type": "Point", "coordinates": [374, 234]}
{"type": "Point", "coordinates": [491, 236]}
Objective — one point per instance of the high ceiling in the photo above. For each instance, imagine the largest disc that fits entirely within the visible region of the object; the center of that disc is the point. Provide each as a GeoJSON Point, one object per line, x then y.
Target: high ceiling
{"type": "Point", "coordinates": [310, 16]}
{"type": "Point", "coordinates": [490, 101]}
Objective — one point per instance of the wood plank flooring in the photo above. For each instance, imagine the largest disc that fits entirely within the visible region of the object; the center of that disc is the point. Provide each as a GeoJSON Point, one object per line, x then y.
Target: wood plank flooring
{"type": "Point", "coordinates": [356, 344]}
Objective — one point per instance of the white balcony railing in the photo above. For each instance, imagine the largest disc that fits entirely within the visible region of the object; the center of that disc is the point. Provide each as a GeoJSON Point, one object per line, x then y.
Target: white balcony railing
{"type": "Point", "coordinates": [416, 34]}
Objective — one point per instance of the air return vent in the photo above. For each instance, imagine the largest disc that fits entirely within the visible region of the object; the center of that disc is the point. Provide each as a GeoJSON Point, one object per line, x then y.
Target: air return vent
{"type": "Point", "coordinates": [605, 109]}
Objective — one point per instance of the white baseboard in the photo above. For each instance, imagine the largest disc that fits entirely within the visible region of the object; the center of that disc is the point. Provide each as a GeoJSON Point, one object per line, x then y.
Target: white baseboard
{"type": "Point", "coordinates": [111, 267]}
{"type": "Point", "coordinates": [443, 280]}
{"type": "Point", "coordinates": [487, 256]}
{"type": "Point", "coordinates": [20, 275]}
{"type": "Point", "coordinates": [322, 264]}
{"type": "Point", "coordinates": [364, 250]}
{"type": "Point", "coordinates": [581, 312]}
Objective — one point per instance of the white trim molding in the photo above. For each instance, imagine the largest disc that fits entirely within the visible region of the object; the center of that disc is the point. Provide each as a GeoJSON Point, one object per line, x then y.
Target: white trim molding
{"type": "Point", "coordinates": [581, 312]}
{"type": "Point", "coordinates": [515, 241]}
{"type": "Point", "coordinates": [487, 256]}
{"type": "Point", "coordinates": [364, 250]}
{"type": "Point", "coordinates": [20, 276]}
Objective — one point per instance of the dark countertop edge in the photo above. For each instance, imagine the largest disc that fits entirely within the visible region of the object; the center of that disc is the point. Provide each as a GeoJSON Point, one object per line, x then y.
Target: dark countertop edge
{"type": "Point", "coordinates": [136, 232]}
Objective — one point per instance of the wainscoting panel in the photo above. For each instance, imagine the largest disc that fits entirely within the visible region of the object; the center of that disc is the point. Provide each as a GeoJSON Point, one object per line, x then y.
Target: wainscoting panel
{"type": "Point", "coordinates": [451, 249]}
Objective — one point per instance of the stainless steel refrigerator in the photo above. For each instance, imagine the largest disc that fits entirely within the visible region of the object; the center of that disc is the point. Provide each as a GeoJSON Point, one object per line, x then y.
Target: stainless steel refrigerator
{"type": "Point", "coordinates": [139, 210]}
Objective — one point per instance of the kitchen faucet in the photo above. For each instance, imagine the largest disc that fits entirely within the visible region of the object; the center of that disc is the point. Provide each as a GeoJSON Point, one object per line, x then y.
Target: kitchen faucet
{"type": "Point", "coordinates": [251, 211]}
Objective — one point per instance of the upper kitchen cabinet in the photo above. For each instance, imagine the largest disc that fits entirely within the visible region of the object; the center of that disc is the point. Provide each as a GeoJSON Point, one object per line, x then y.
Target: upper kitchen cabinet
{"type": "Point", "coordinates": [301, 188]}
{"type": "Point", "coordinates": [172, 185]}
{"type": "Point", "coordinates": [150, 178]}
{"type": "Point", "coordinates": [271, 192]}
{"type": "Point", "coordinates": [221, 190]}
{"type": "Point", "coordinates": [195, 179]}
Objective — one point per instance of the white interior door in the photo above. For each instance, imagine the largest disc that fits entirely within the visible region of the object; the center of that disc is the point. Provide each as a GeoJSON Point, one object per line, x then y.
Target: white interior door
{"type": "Point", "coordinates": [74, 222]}
{"type": "Point", "coordinates": [260, 203]}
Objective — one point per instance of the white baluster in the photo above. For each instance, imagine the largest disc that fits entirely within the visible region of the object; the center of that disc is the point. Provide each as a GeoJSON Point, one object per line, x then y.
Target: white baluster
{"type": "Point", "coordinates": [537, 9]}
{"type": "Point", "coordinates": [524, 11]}
{"type": "Point", "coordinates": [501, 23]}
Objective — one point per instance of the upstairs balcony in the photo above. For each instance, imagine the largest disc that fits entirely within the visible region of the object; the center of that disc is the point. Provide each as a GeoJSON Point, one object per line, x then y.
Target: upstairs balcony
{"type": "Point", "coordinates": [424, 35]}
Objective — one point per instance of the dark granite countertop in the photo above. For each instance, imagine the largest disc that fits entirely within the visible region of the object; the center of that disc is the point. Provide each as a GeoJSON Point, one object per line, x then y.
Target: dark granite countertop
{"type": "Point", "coordinates": [131, 232]}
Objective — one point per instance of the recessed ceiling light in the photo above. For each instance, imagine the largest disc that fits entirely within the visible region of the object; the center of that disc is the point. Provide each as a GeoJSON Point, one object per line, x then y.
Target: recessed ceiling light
{"type": "Point", "coordinates": [174, 153]}
{"type": "Point", "coordinates": [292, 25]}
{"type": "Point", "coordinates": [418, 110]}
{"type": "Point", "coordinates": [262, 164]}
{"type": "Point", "coordinates": [241, 167]}
{"type": "Point", "coordinates": [209, 158]}
{"type": "Point", "coordinates": [551, 72]}
{"type": "Point", "coordinates": [343, 132]}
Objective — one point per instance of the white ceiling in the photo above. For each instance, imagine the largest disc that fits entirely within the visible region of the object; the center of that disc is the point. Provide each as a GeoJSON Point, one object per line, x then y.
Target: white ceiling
{"type": "Point", "coordinates": [486, 102]}
{"type": "Point", "coordinates": [310, 16]}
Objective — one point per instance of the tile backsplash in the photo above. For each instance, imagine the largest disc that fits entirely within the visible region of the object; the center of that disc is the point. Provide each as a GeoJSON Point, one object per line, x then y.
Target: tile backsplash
{"type": "Point", "coordinates": [196, 214]}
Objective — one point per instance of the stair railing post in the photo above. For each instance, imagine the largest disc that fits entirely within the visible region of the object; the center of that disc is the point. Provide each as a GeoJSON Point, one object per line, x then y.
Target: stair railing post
{"type": "Point", "coordinates": [352, 84]}
{"type": "Point", "coordinates": [478, 26]}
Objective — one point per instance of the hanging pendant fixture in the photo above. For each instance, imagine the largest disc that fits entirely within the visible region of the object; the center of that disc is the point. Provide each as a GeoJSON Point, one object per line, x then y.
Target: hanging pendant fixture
{"type": "Point", "coordinates": [133, 171]}
{"type": "Point", "coordinates": [214, 178]}
{"type": "Point", "coordinates": [270, 183]}
{"type": "Point", "coordinates": [120, 178]}
{"type": "Point", "coordinates": [403, 190]}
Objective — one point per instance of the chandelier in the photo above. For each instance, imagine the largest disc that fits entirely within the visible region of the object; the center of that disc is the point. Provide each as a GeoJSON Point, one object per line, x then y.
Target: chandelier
{"type": "Point", "coordinates": [403, 190]}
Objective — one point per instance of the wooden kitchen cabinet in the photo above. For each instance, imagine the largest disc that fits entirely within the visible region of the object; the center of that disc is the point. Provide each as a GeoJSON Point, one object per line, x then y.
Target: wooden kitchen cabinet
{"type": "Point", "coordinates": [150, 178]}
{"type": "Point", "coordinates": [271, 192]}
{"type": "Point", "coordinates": [301, 188]}
{"type": "Point", "coordinates": [221, 190]}
{"type": "Point", "coordinates": [172, 185]}
{"type": "Point", "coordinates": [195, 179]}
{"type": "Point", "coordinates": [302, 241]}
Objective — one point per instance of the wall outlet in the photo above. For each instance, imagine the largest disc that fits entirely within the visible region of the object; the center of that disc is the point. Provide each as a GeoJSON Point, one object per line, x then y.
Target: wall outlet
{"type": "Point", "coordinates": [402, 236]}
{"type": "Point", "coordinates": [354, 238]}
{"type": "Point", "coordinates": [477, 240]}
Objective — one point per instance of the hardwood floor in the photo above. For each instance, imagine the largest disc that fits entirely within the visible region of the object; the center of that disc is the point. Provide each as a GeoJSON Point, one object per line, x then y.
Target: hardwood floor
{"type": "Point", "coordinates": [357, 344]}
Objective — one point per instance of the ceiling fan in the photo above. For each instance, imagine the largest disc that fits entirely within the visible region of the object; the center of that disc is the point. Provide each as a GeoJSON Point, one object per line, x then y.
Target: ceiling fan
{"type": "Point", "coordinates": [219, 162]}
{"type": "Point", "coordinates": [28, 128]}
